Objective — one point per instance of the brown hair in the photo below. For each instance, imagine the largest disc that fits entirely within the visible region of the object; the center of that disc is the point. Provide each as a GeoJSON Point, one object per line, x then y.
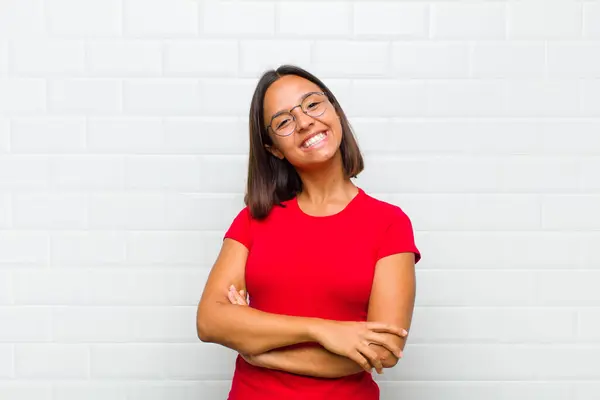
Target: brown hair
{"type": "Point", "coordinates": [270, 179]}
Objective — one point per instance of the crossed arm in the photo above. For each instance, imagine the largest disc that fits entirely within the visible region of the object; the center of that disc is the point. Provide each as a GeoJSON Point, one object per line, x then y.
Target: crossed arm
{"type": "Point", "coordinates": [391, 301]}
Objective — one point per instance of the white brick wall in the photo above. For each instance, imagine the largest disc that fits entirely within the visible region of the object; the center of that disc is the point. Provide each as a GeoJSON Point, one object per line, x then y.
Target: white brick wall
{"type": "Point", "coordinates": [116, 115]}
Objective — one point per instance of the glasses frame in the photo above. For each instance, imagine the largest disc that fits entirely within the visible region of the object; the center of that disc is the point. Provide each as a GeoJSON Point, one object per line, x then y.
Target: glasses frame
{"type": "Point", "coordinates": [293, 117]}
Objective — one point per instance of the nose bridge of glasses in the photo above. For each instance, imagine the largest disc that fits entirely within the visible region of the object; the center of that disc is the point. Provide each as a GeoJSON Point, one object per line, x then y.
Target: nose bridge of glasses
{"type": "Point", "coordinates": [301, 117]}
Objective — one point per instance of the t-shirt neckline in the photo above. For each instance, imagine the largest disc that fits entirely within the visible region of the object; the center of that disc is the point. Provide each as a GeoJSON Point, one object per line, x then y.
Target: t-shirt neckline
{"type": "Point", "coordinates": [343, 211]}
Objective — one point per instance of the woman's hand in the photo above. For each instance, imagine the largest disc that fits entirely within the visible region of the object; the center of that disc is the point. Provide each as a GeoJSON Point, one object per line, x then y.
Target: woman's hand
{"type": "Point", "coordinates": [352, 340]}
{"type": "Point", "coordinates": [239, 298]}
{"type": "Point", "coordinates": [346, 338]}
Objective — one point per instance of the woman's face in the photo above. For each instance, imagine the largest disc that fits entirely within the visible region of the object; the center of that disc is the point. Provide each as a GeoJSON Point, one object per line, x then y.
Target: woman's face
{"type": "Point", "coordinates": [316, 137]}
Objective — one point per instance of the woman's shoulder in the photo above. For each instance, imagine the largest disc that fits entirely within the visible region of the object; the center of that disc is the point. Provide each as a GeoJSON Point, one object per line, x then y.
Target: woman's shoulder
{"type": "Point", "coordinates": [380, 207]}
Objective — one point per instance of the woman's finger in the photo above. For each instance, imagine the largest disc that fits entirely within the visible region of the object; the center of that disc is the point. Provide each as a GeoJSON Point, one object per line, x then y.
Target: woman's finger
{"type": "Point", "coordinates": [362, 361]}
{"type": "Point", "coordinates": [372, 356]}
{"type": "Point", "coordinates": [386, 328]}
{"type": "Point", "coordinates": [386, 341]}
{"type": "Point", "coordinates": [231, 297]}
{"type": "Point", "coordinates": [240, 299]}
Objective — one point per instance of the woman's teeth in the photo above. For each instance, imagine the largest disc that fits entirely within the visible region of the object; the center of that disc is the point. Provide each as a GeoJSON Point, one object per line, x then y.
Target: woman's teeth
{"type": "Point", "coordinates": [314, 140]}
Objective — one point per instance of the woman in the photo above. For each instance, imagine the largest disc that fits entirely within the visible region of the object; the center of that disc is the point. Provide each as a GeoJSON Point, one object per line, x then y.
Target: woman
{"type": "Point", "coordinates": [329, 270]}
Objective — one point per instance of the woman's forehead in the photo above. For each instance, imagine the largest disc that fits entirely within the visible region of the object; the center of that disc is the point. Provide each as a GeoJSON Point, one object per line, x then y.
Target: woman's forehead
{"type": "Point", "coordinates": [287, 91]}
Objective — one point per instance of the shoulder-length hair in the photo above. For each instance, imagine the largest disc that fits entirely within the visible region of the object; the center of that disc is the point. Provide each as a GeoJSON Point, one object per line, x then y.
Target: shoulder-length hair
{"type": "Point", "coordinates": [270, 179]}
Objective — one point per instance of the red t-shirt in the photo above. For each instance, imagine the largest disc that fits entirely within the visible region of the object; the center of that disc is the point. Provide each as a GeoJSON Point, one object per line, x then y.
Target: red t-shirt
{"type": "Point", "coordinates": [321, 267]}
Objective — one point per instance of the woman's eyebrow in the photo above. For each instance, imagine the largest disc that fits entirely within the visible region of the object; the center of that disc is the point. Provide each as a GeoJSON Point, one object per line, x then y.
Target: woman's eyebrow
{"type": "Point", "coordinates": [300, 99]}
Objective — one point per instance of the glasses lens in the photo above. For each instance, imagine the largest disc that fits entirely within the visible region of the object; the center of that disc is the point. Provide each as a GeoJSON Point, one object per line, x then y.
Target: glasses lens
{"type": "Point", "coordinates": [315, 104]}
{"type": "Point", "coordinates": [283, 124]}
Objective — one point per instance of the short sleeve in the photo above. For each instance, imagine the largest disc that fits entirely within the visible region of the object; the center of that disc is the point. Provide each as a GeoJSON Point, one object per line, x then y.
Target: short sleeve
{"type": "Point", "coordinates": [398, 237]}
{"type": "Point", "coordinates": [240, 228]}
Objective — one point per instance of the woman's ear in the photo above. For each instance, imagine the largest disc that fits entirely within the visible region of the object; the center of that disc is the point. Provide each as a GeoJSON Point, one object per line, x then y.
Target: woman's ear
{"type": "Point", "coordinates": [274, 151]}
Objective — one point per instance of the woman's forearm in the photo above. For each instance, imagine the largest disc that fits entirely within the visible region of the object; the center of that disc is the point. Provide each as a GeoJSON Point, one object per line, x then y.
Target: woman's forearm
{"type": "Point", "coordinates": [250, 331]}
{"type": "Point", "coordinates": [308, 360]}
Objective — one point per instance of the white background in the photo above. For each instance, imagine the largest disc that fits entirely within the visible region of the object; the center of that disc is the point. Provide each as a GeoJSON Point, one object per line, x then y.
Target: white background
{"type": "Point", "coordinates": [123, 143]}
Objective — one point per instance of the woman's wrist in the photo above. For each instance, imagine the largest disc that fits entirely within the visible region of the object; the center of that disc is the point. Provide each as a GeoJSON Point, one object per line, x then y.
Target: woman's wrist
{"type": "Point", "coordinates": [314, 328]}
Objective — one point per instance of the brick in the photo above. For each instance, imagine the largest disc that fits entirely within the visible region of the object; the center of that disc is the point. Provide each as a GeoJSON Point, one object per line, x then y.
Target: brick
{"type": "Point", "coordinates": [562, 288]}
{"type": "Point", "coordinates": [93, 18]}
{"type": "Point", "coordinates": [371, 98]}
{"type": "Point", "coordinates": [6, 361]}
{"type": "Point", "coordinates": [382, 136]}
{"type": "Point", "coordinates": [589, 181]}
{"type": "Point", "coordinates": [226, 97]}
{"type": "Point", "coordinates": [22, 18]}
{"type": "Point", "coordinates": [574, 59]}
{"type": "Point", "coordinates": [60, 361]}
{"type": "Point", "coordinates": [124, 57]}
{"type": "Point", "coordinates": [201, 58]}
{"type": "Point", "coordinates": [537, 19]}
{"type": "Point", "coordinates": [590, 97]}
{"type": "Point", "coordinates": [199, 211]}
{"type": "Point", "coordinates": [43, 57]}
{"type": "Point", "coordinates": [182, 390]}
{"type": "Point", "coordinates": [161, 18]}
{"type": "Point", "coordinates": [508, 60]}
{"type": "Point", "coordinates": [108, 286]}
{"type": "Point", "coordinates": [190, 248]}
{"type": "Point", "coordinates": [196, 135]}
{"type": "Point", "coordinates": [49, 211]}
{"type": "Point", "coordinates": [242, 18]}
{"type": "Point", "coordinates": [25, 390]}
{"type": "Point", "coordinates": [570, 211]}
{"type": "Point", "coordinates": [23, 248]}
{"type": "Point", "coordinates": [540, 97]}
{"type": "Point", "coordinates": [588, 325]}
{"type": "Point", "coordinates": [6, 293]}
{"type": "Point", "coordinates": [500, 390]}
{"type": "Point", "coordinates": [591, 16]}
{"type": "Point", "coordinates": [125, 135]}
{"type": "Point", "coordinates": [4, 57]}
{"type": "Point", "coordinates": [24, 172]}
{"type": "Point", "coordinates": [497, 324]}
{"type": "Point", "coordinates": [122, 210]}
{"type": "Point", "coordinates": [178, 172]}
{"type": "Point", "coordinates": [447, 288]}
{"type": "Point", "coordinates": [22, 95]}
{"type": "Point", "coordinates": [513, 249]}
{"type": "Point", "coordinates": [90, 390]}
{"type": "Point", "coordinates": [84, 96]}
{"type": "Point", "coordinates": [379, 18]}
{"type": "Point", "coordinates": [89, 172]}
{"type": "Point", "coordinates": [173, 361]}
{"type": "Point", "coordinates": [5, 212]}
{"type": "Point", "coordinates": [298, 19]}
{"type": "Point", "coordinates": [430, 60]}
{"type": "Point", "coordinates": [4, 135]}
{"type": "Point", "coordinates": [343, 58]}
{"type": "Point", "coordinates": [124, 324]}
{"type": "Point", "coordinates": [25, 324]}
{"type": "Point", "coordinates": [44, 135]}
{"type": "Point", "coordinates": [257, 56]}
{"type": "Point", "coordinates": [231, 178]}
{"type": "Point", "coordinates": [165, 96]}
{"type": "Point", "coordinates": [89, 248]}
{"type": "Point", "coordinates": [460, 98]}
{"type": "Point", "coordinates": [479, 21]}
{"type": "Point", "coordinates": [464, 211]}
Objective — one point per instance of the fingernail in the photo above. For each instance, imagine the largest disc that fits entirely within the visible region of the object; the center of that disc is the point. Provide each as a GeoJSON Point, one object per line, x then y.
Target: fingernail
{"type": "Point", "coordinates": [404, 332]}
{"type": "Point", "coordinates": [231, 287]}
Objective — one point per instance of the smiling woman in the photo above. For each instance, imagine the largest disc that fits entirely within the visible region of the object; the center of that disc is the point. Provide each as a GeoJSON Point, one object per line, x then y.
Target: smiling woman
{"type": "Point", "coordinates": [328, 269]}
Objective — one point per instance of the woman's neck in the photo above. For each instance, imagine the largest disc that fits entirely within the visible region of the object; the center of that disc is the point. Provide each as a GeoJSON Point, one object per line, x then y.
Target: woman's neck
{"type": "Point", "coordinates": [326, 184]}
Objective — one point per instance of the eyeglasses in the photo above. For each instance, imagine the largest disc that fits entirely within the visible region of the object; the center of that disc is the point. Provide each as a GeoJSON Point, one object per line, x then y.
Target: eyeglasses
{"type": "Point", "coordinates": [284, 123]}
